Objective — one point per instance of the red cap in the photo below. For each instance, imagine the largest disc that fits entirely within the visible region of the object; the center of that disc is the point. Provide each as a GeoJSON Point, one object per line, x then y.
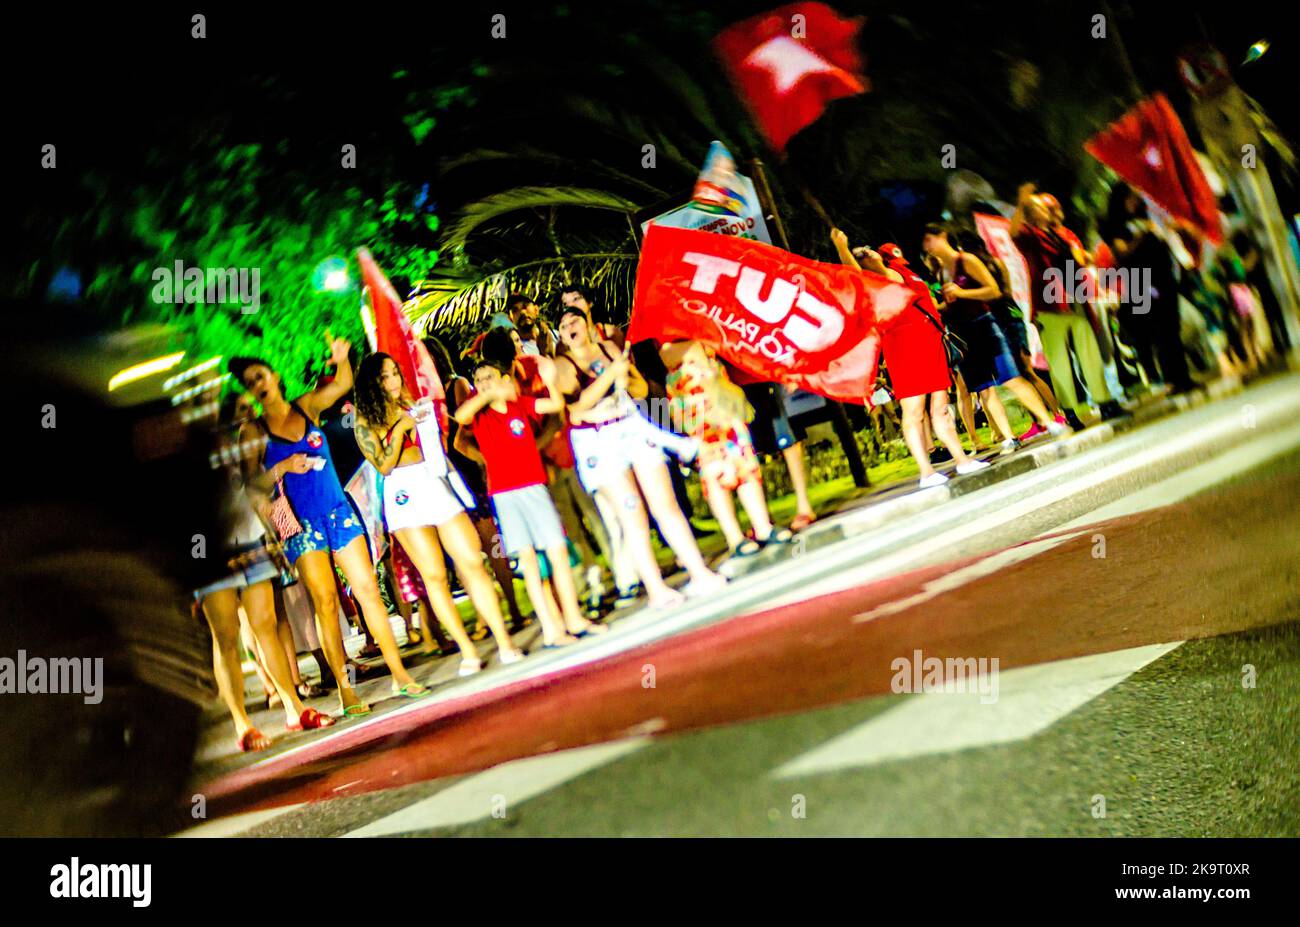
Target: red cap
{"type": "Point", "coordinates": [891, 253]}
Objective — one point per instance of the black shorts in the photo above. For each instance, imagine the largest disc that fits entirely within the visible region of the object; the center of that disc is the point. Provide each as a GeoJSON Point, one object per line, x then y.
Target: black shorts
{"type": "Point", "coordinates": [770, 421]}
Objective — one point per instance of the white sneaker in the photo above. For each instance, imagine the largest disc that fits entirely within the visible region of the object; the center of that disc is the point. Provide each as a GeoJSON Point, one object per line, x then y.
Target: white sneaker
{"type": "Point", "coordinates": [934, 479]}
{"type": "Point", "coordinates": [1010, 446]}
{"type": "Point", "coordinates": [469, 666]}
{"type": "Point", "coordinates": [1057, 430]}
{"type": "Point", "coordinates": [695, 588]}
{"type": "Point", "coordinates": [511, 657]}
{"type": "Point", "coordinates": [973, 466]}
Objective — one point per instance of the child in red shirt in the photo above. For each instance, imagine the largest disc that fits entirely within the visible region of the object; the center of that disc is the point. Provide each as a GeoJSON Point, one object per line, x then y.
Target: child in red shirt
{"type": "Point", "coordinates": [504, 425]}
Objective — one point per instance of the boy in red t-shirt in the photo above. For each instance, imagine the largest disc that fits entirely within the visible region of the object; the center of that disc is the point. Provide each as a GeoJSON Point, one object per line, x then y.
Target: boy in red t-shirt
{"type": "Point", "coordinates": [505, 426]}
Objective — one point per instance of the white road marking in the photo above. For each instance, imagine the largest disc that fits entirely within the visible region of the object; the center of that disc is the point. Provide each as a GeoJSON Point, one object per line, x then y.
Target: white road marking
{"type": "Point", "coordinates": [236, 823]}
{"type": "Point", "coordinates": [1031, 699]}
{"type": "Point", "coordinates": [960, 577]}
{"type": "Point", "coordinates": [499, 789]}
{"type": "Point", "coordinates": [1169, 491]}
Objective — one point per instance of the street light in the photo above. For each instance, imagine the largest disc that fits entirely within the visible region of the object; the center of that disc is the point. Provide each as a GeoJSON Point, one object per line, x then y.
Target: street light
{"type": "Point", "coordinates": [330, 275]}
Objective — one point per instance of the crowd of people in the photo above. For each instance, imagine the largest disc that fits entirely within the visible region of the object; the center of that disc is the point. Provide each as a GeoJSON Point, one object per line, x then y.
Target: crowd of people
{"type": "Point", "coordinates": [546, 468]}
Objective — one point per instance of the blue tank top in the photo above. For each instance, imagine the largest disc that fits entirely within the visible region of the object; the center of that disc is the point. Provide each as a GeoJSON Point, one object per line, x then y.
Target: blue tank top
{"type": "Point", "coordinates": [315, 492]}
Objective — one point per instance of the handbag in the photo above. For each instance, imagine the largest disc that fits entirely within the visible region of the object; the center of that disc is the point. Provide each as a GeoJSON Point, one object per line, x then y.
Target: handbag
{"type": "Point", "coordinates": [282, 515]}
{"type": "Point", "coordinates": [954, 346]}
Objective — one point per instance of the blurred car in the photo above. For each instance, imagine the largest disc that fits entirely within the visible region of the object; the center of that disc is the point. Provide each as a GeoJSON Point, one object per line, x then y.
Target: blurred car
{"type": "Point", "coordinates": [102, 500]}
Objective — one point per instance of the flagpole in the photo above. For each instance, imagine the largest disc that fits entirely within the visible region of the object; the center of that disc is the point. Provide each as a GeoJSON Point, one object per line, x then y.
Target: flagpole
{"type": "Point", "coordinates": [1125, 61]}
{"type": "Point", "coordinates": [765, 193]}
{"type": "Point", "coordinates": [840, 423]}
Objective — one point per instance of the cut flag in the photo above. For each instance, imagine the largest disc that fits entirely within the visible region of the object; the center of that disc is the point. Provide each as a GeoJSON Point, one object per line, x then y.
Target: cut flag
{"type": "Point", "coordinates": [1149, 149]}
{"type": "Point", "coordinates": [788, 64]}
{"type": "Point", "coordinates": [773, 314]}
{"type": "Point", "coordinates": [395, 337]}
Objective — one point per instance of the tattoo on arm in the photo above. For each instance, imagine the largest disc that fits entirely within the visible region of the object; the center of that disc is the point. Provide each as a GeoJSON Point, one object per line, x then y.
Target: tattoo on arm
{"type": "Point", "coordinates": [382, 454]}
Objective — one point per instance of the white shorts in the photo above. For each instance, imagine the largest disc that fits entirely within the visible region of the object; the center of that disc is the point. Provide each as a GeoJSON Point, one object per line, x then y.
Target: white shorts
{"type": "Point", "coordinates": [414, 496]}
{"type": "Point", "coordinates": [603, 452]}
{"type": "Point", "coordinates": [528, 518]}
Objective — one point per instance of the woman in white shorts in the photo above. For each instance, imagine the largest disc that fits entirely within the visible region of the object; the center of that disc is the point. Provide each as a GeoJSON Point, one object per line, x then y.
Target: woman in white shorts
{"type": "Point", "coordinates": [616, 455]}
{"type": "Point", "coordinates": [422, 506]}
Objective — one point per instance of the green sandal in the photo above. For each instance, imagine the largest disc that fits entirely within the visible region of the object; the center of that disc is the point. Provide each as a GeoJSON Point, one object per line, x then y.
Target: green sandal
{"type": "Point", "coordinates": [361, 708]}
{"type": "Point", "coordinates": [411, 690]}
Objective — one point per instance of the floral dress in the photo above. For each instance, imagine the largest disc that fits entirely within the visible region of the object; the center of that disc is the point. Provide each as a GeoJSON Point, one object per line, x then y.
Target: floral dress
{"type": "Point", "coordinates": [726, 450]}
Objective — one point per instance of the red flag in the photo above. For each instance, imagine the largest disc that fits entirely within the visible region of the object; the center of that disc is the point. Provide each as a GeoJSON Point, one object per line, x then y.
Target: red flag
{"type": "Point", "coordinates": [1148, 148]}
{"type": "Point", "coordinates": [771, 313]}
{"type": "Point", "coordinates": [394, 337]}
{"type": "Point", "coordinates": [787, 70]}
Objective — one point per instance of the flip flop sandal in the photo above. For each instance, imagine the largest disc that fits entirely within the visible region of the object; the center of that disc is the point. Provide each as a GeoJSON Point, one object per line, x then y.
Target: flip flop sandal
{"type": "Point", "coordinates": [311, 720]}
{"type": "Point", "coordinates": [411, 690]}
{"type": "Point", "coordinates": [595, 629]}
{"type": "Point", "coordinates": [354, 711]}
{"type": "Point", "coordinates": [778, 536]}
{"type": "Point", "coordinates": [802, 521]}
{"type": "Point", "coordinates": [253, 741]}
{"type": "Point", "coordinates": [480, 633]}
{"type": "Point", "coordinates": [747, 548]}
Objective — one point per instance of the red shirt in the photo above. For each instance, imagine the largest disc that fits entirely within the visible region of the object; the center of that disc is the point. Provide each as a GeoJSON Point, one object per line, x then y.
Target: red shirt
{"type": "Point", "coordinates": [530, 383]}
{"type": "Point", "coordinates": [1044, 250]}
{"type": "Point", "coordinates": [507, 441]}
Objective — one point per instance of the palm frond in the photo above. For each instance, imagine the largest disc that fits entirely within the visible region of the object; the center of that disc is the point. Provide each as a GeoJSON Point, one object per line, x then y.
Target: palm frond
{"type": "Point", "coordinates": [508, 201]}
{"type": "Point", "coordinates": [535, 156]}
{"type": "Point", "coordinates": [460, 301]}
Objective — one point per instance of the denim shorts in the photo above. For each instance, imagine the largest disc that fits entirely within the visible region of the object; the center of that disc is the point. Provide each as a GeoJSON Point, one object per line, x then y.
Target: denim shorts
{"type": "Point", "coordinates": [988, 360]}
{"type": "Point", "coordinates": [333, 530]}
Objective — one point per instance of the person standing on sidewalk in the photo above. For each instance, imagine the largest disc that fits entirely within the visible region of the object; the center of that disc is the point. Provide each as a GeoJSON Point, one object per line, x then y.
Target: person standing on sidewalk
{"type": "Point", "coordinates": [570, 498]}
{"type": "Point", "coordinates": [469, 464]}
{"type": "Point", "coordinates": [1156, 332]}
{"type": "Point", "coordinates": [616, 459]}
{"type": "Point", "coordinates": [331, 532]}
{"type": "Point", "coordinates": [968, 287]}
{"type": "Point", "coordinates": [421, 506]}
{"type": "Point", "coordinates": [1061, 320]}
{"type": "Point", "coordinates": [505, 425]}
{"type": "Point", "coordinates": [914, 352]}
{"type": "Point", "coordinates": [253, 570]}
{"type": "Point", "coordinates": [710, 408]}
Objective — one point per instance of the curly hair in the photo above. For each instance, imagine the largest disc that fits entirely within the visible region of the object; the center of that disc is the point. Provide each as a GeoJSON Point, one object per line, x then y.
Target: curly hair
{"type": "Point", "coordinates": [372, 402]}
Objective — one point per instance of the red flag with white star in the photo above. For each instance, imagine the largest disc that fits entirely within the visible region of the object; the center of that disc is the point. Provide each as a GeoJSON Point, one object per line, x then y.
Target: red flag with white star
{"type": "Point", "coordinates": [1148, 148]}
{"type": "Point", "coordinates": [788, 64]}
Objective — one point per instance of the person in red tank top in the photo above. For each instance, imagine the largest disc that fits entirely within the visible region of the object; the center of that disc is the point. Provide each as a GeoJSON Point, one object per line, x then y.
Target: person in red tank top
{"type": "Point", "coordinates": [916, 356]}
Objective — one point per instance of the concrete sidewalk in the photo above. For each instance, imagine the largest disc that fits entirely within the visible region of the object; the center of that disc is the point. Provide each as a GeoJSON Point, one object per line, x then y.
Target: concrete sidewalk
{"type": "Point", "coordinates": [887, 520]}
